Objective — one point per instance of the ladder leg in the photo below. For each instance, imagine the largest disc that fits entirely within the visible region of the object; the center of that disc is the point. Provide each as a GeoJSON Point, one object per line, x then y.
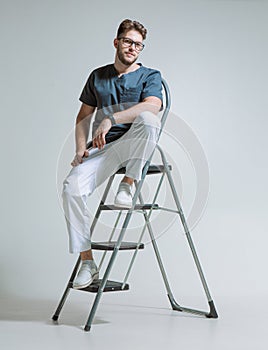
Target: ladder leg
{"type": "Point", "coordinates": [157, 253]}
{"type": "Point", "coordinates": [213, 312]}
{"type": "Point", "coordinates": [66, 292]}
{"type": "Point", "coordinates": [107, 272]}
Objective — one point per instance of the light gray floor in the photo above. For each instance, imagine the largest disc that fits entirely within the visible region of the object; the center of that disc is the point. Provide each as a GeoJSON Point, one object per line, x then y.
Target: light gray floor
{"type": "Point", "coordinates": [130, 322]}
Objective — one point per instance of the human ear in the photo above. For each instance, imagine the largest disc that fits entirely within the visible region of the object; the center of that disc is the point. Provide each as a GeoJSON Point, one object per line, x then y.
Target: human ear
{"type": "Point", "coordinates": [116, 43]}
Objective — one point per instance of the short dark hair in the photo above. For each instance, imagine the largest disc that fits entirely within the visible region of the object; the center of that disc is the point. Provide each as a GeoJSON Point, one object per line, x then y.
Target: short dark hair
{"type": "Point", "coordinates": [128, 25]}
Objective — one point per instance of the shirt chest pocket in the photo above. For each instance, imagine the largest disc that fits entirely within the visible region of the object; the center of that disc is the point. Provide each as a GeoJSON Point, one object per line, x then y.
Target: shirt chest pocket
{"type": "Point", "coordinates": [132, 94]}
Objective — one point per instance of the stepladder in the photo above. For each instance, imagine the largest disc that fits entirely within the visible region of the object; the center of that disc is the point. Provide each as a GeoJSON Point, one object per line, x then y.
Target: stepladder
{"type": "Point", "coordinates": [116, 243]}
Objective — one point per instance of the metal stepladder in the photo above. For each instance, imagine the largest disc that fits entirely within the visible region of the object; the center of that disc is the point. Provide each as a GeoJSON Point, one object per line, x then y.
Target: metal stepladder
{"type": "Point", "coordinates": [104, 285]}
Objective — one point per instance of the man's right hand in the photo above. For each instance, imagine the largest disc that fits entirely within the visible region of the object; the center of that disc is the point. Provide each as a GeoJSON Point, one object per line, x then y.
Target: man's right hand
{"type": "Point", "coordinates": [78, 158]}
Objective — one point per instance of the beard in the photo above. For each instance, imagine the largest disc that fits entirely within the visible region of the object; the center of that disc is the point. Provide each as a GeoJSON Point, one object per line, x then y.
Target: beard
{"type": "Point", "coordinates": [121, 57]}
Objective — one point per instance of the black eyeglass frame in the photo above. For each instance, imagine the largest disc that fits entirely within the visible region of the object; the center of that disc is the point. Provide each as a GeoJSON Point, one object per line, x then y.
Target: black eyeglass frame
{"type": "Point", "coordinates": [133, 42]}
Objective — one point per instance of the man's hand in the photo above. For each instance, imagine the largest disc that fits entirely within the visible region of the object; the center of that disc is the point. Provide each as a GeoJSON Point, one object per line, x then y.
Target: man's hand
{"type": "Point", "coordinates": [102, 130]}
{"type": "Point", "coordinates": [78, 159]}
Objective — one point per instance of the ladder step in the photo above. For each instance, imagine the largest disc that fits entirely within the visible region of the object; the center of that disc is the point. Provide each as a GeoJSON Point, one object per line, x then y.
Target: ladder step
{"type": "Point", "coordinates": [137, 207]}
{"type": "Point", "coordinates": [153, 169]}
{"type": "Point", "coordinates": [111, 245]}
{"type": "Point", "coordinates": [111, 286]}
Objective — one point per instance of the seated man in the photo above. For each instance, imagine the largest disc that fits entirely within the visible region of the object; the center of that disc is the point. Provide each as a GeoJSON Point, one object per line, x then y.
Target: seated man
{"type": "Point", "coordinates": [127, 97]}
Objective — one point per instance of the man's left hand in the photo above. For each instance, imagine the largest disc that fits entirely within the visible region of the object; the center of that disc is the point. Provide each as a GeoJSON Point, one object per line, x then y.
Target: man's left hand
{"type": "Point", "coordinates": [102, 130]}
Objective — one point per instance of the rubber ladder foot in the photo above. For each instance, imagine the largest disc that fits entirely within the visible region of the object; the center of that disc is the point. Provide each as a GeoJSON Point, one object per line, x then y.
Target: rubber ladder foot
{"type": "Point", "coordinates": [212, 313]}
{"type": "Point", "coordinates": [87, 328]}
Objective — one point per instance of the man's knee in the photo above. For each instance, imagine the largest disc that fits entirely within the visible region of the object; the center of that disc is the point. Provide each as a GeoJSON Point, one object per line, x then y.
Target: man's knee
{"type": "Point", "coordinates": [71, 188]}
{"type": "Point", "coordinates": [75, 186]}
{"type": "Point", "coordinates": [148, 120]}
{"type": "Point", "coordinates": [68, 190]}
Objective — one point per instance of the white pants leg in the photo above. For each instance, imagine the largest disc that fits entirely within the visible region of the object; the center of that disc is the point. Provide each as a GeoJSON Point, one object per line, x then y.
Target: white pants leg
{"type": "Point", "coordinates": [132, 150]}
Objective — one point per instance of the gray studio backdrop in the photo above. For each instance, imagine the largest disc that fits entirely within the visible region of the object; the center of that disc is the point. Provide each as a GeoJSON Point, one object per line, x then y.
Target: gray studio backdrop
{"type": "Point", "coordinates": [213, 54]}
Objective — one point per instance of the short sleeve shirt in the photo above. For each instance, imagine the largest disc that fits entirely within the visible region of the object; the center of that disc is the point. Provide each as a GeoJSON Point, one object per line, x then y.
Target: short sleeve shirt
{"type": "Point", "coordinates": [110, 93]}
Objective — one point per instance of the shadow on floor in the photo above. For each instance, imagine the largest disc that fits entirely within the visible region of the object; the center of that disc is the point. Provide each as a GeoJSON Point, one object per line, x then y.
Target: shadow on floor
{"type": "Point", "coordinates": [18, 309]}
{"type": "Point", "coordinates": [75, 312]}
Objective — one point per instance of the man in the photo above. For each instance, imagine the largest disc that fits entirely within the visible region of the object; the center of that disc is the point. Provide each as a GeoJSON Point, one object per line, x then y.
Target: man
{"type": "Point", "coordinates": [127, 97]}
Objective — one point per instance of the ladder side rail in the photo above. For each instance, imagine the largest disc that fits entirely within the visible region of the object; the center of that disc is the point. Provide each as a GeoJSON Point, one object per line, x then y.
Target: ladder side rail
{"type": "Point", "coordinates": [186, 229]}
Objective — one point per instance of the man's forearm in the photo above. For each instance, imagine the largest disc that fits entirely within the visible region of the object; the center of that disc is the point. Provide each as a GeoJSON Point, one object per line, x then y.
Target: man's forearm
{"type": "Point", "coordinates": [130, 114]}
{"type": "Point", "coordinates": [81, 134]}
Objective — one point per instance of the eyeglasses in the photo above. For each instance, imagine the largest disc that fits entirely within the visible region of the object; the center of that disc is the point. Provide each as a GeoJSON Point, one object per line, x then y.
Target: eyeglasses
{"type": "Point", "coordinates": [126, 42]}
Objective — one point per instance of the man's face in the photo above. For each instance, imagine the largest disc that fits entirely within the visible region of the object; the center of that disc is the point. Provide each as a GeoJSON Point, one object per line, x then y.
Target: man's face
{"type": "Point", "coordinates": [128, 54]}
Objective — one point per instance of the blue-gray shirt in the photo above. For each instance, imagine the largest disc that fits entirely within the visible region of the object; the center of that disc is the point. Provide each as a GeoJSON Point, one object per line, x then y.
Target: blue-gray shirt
{"type": "Point", "coordinates": [110, 93]}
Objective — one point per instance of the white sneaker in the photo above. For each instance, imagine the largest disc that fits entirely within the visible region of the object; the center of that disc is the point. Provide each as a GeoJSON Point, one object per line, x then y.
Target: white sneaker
{"type": "Point", "coordinates": [86, 275]}
{"type": "Point", "coordinates": [123, 197]}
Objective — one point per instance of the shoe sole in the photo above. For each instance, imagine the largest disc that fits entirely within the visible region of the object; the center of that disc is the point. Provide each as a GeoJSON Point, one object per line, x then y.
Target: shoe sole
{"type": "Point", "coordinates": [94, 277]}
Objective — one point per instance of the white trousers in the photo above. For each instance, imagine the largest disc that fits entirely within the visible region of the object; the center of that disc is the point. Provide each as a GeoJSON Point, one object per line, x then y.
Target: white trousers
{"type": "Point", "coordinates": [132, 150]}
